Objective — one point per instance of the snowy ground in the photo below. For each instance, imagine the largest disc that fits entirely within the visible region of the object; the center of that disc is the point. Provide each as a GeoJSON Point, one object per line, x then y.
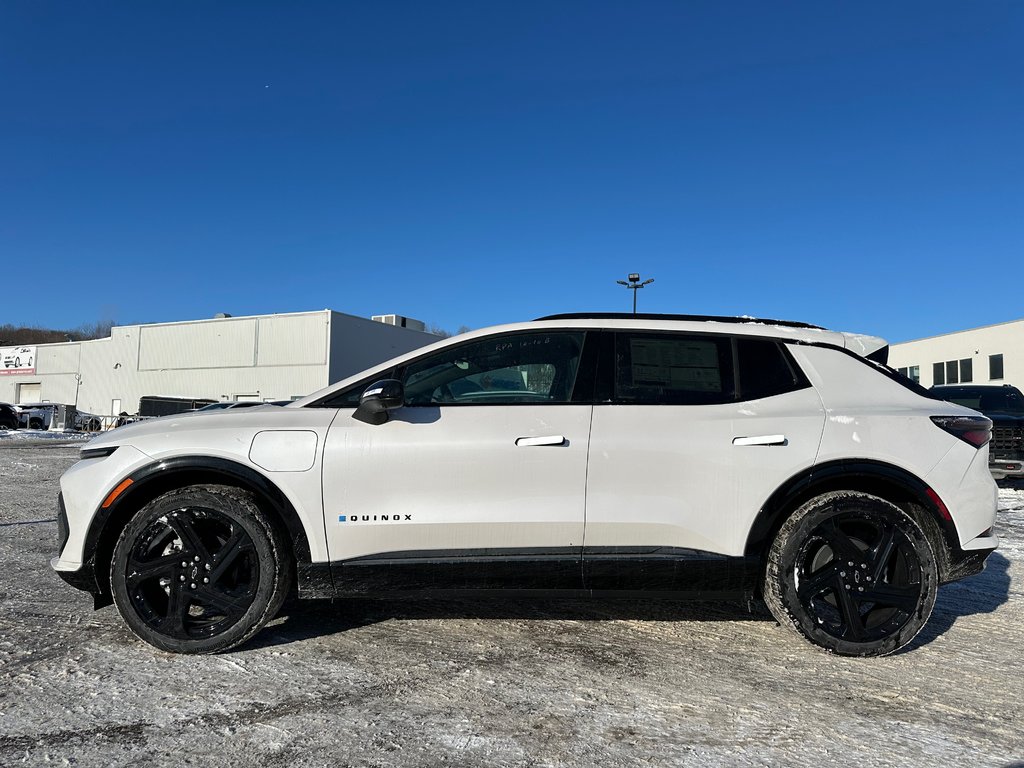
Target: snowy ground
{"type": "Point", "coordinates": [24, 437]}
{"type": "Point", "coordinates": [559, 684]}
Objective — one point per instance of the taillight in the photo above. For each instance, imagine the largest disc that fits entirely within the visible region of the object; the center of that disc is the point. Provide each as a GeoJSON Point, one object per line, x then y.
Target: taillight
{"type": "Point", "coordinates": [976, 430]}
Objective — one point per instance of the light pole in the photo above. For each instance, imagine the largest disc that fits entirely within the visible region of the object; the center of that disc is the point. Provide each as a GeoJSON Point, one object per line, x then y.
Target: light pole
{"type": "Point", "coordinates": [634, 285]}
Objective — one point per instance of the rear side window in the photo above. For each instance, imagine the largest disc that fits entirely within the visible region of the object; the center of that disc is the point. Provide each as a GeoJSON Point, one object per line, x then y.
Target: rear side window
{"type": "Point", "coordinates": [765, 370]}
{"type": "Point", "coordinates": [671, 369]}
{"type": "Point", "coordinates": [675, 369]}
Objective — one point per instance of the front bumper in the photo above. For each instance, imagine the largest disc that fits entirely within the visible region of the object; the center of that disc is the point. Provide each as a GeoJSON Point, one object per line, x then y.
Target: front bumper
{"type": "Point", "coordinates": [79, 575]}
{"type": "Point", "coordinates": [83, 578]}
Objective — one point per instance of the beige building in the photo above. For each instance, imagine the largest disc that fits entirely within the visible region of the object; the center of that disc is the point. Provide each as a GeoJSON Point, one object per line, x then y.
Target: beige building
{"type": "Point", "coordinates": [263, 357]}
{"type": "Point", "coordinates": [992, 354]}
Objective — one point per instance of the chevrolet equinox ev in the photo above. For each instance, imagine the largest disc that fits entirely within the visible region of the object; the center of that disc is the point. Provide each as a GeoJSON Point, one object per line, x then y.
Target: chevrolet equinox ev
{"type": "Point", "coordinates": [598, 455]}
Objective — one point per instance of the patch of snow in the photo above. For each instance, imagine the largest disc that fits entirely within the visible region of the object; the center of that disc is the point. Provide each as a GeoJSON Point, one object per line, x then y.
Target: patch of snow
{"type": "Point", "coordinates": [17, 435]}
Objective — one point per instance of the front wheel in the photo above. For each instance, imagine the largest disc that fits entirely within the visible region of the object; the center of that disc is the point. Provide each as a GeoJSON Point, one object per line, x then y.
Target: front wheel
{"type": "Point", "coordinates": [199, 570]}
{"type": "Point", "coordinates": [853, 574]}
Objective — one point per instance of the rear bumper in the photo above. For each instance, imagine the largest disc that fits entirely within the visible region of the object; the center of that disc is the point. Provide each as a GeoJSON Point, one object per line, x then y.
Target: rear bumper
{"type": "Point", "coordinates": [964, 564]}
{"type": "Point", "coordinates": [969, 558]}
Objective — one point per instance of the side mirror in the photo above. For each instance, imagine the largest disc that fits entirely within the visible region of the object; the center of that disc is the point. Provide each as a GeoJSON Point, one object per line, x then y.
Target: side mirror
{"type": "Point", "coordinates": [379, 398]}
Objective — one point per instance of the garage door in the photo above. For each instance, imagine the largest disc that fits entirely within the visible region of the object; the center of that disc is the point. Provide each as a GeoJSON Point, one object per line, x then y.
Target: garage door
{"type": "Point", "coordinates": [30, 393]}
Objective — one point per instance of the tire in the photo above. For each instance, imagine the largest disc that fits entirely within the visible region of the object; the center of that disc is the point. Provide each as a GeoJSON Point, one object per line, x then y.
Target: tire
{"type": "Point", "coordinates": [35, 423]}
{"type": "Point", "coordinates": [870, 608]}
{"type": "Point", "coordinates": [200, 569]}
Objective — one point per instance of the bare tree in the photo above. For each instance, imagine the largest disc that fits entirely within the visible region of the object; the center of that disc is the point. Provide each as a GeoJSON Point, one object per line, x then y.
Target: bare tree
{"type": "Point", "coordinates": [437, 330]}
{"type": "Point", "coordinates": [13, 335]}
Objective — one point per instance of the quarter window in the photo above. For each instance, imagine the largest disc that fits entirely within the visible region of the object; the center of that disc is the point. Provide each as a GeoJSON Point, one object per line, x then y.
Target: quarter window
{"type": "Point", "coordinates": [764, 370]}
{"type": "Point", "coordinates": [500, 370]}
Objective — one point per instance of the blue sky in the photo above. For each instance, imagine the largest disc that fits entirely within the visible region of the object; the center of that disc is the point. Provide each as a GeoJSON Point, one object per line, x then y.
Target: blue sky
{"type": "Point", "coordinates": [857, 166]}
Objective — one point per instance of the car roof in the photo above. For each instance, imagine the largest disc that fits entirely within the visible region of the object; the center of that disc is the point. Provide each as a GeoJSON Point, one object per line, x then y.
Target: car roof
{"type": "Point", "coordinates": [686, 318]}
{"type": "Point", "coordinates": [783, 330]}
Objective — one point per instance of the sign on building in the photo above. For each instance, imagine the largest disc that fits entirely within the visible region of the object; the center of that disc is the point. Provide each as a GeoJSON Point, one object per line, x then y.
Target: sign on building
{"type": "Point", "coordinates": [14, 360]}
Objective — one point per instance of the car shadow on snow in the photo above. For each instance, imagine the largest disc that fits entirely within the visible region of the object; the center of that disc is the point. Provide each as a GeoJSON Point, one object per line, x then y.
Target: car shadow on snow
{"type": "Point", "coordinates": [306, 619]}
{"type": "Point", "coordinates": [981, 593]}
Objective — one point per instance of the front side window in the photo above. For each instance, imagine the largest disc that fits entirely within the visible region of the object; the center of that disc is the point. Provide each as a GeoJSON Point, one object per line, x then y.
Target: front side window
{"type": "Point", "coordinates": [511, 369]}
{"type": "Point", "coordinates": [670, 369]}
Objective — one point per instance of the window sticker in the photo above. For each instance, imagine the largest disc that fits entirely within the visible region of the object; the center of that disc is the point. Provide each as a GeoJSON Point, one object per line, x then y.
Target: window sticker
{"type": "Point", "coordinates": [690, 365]}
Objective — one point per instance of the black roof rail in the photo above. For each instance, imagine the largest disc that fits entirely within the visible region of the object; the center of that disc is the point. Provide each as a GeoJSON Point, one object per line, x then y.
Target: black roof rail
{"type": "Point", "coordinates": [690, 318]}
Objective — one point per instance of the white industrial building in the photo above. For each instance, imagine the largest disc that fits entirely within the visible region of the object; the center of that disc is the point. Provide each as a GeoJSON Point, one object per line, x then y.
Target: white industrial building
{"type": "Point", "coordinates": [264, 357]}
{"type": "Point", "coordinates": [993, 354]}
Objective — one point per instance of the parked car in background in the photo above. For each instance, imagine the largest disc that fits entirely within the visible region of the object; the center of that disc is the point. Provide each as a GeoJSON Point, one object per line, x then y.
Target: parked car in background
{"type": "Point", "coordinates": [8, 416]}
{"type": "Point", "coordinates": [36, 415]}
{"type": "Point", "coordinates": [598, 455]}
{"type": "Point", "coordinates": [1004, 405]}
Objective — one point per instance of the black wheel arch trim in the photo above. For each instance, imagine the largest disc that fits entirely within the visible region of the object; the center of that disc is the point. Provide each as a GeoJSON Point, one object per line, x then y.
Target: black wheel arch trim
{"type": "Point", "coordinates": [867, 475]}
{"type": "Point", "coordinates": [151, 480]}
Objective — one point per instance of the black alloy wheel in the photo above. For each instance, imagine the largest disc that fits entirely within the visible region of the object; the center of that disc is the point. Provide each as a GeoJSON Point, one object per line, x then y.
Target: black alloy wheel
{"type": "Point", "coordinates": [199, 570]}
{"type": "Point", "coordinates": [853, 574]}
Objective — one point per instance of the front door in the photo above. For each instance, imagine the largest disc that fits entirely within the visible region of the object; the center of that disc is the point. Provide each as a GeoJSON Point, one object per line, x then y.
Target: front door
{"type": "Point", "coordinates": [477, 483]}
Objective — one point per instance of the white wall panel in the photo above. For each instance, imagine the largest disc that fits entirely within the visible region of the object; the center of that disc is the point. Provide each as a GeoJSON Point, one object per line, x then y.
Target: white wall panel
{"type": "Point", "coordinates": [58, 358]}
{"type": "Point", "coordinates": [292, 340]}
{"type": "Point", "coordinates": [977, 344]}
{"type": "Point", "coordinates": [224, 344]}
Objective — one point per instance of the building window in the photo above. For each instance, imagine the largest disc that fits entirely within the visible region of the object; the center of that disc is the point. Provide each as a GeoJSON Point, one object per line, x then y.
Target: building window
{"type": "Point", "coordinates": [951, 373]}
{"type": "Point", "coordinates": [938, 373]}
{"type": "Point", "coordinates": [966, 371]}
{"type": "Point", "coordinates": [912, 372]}
{"type": "Point", "coordinates": [995, 366]}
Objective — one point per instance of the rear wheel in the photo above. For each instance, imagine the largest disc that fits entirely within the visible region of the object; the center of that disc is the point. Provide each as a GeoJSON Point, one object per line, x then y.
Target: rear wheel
{"type": "Point", "coordinates": [853, 574]}
{"type": "Point", "coordinates": [199, 570]}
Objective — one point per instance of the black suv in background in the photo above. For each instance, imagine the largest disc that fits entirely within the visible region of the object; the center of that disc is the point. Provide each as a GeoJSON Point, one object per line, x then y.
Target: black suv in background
{"type": "Point", "coordinates": [1005, 406]}
{"type": "Point", "coordinates": [8, 416]}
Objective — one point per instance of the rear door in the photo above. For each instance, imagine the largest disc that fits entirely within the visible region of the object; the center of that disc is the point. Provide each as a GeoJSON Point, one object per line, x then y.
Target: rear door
{"type": "Point", "coordinates": [696, 434]}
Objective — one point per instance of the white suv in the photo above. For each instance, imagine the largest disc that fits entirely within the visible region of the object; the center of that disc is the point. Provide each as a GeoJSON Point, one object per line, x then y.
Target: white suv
{"type": "Point", "coordinates": [600, 455]}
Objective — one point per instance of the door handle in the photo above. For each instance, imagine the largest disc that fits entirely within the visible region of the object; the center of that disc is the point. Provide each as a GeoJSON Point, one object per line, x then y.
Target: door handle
{"type": "Point", "coordinates": [761, 440]}
{"type": "Point", "coordinates": [546, 440]}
